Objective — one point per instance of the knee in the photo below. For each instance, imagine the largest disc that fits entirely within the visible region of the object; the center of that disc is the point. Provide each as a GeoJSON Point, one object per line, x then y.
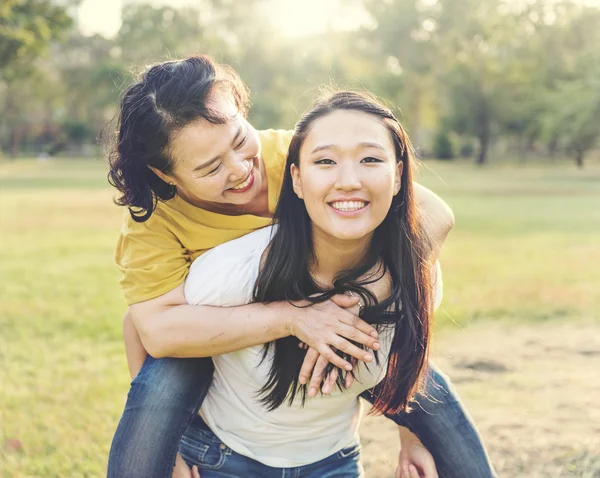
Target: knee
{"type": "Point", "coordinates": [164, 382]}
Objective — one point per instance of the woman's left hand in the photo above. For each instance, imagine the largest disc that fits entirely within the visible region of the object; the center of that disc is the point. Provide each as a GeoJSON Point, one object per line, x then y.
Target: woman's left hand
{"type": "Point", "coordinates": [414, 461]}
{"type": "Point", "coordinates": [314, 365]}
{"type": "Point", "coordinates": [181, 470]}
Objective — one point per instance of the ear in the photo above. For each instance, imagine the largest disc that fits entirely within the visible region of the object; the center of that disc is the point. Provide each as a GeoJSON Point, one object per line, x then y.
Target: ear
{"type": "Point", "coordinates": [398, 178]}
{"type": "Point", "coordinates": [296, 181]}
{"type": "Point", "coordinates": [165, 177]}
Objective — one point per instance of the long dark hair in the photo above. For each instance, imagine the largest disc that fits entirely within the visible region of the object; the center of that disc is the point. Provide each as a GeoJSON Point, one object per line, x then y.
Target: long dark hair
{"type": "Point", "coordinates": [167, 97]}
{"type": "Point", "coordinates": [398, 247]}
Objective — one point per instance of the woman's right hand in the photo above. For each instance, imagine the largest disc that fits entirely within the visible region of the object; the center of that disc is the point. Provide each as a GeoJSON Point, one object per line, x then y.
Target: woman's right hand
{"type": "Point", "coordinates": [330, 324]}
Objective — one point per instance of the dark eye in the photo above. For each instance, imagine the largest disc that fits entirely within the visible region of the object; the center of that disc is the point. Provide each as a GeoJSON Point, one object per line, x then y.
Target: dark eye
{"type": "Point", "coordinates": [370, 159]}
{"type": "Point", "coordinates": [214, 170]}
{"type": "Point", "coordinates": [325, 161]}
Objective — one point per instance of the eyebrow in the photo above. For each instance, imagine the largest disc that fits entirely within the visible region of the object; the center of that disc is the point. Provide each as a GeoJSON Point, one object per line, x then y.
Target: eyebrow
{"type": "Point", "coordinates": [360, 145]}
{"type": "Point", "coordinates": [216, 158]}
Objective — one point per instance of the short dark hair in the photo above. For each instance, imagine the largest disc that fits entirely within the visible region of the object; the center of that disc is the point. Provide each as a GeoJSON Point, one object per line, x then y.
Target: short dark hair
{"type": "Point", "coordinates": [166, 98]}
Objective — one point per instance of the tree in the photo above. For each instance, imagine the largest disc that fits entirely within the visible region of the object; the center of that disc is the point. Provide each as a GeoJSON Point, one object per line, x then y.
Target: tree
{"type": "Point", "coordinates": [27, 27]}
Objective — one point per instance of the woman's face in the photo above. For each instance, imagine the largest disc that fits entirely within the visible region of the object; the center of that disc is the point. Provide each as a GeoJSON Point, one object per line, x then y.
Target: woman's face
{"type": "Point", "coordinates": [347, 174]}
{"type": "Point", "coordinates": [217, 164]}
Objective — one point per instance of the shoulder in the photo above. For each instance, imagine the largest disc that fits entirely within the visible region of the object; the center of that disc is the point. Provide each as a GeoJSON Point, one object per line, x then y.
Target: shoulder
{"type": "Point", "coordinates": [276, 139]}
{"type": "Point", "coordinates": [225, 275]}
{"type": "Point", "coordinates": [274, 146]}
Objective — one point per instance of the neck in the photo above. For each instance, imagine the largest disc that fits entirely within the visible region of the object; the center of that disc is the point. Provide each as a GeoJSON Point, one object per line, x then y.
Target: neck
{"type": "Point", "coordinates": [332, 256]}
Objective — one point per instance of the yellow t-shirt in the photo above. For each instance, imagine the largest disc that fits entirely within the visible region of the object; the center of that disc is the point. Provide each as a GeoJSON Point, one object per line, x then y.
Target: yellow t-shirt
{"type": "Point", "coordinates": [154, 256]}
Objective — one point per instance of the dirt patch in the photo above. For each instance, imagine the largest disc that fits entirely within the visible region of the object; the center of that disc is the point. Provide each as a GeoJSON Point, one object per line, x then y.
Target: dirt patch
{"type": "Point", "coordinates": [533, 390]}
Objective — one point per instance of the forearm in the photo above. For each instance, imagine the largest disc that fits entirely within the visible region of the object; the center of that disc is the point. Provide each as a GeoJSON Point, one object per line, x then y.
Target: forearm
{"type": "Point", "coordinates": [204, 331]}
{"type": "Point", "coordinates": [134, 348]}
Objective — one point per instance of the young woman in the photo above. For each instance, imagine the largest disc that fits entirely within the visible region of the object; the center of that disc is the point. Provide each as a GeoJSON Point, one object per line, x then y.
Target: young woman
{"type": "Point", "coordinates": [346, 221]}
{"type": "Point", "coordinates": [195, 174]}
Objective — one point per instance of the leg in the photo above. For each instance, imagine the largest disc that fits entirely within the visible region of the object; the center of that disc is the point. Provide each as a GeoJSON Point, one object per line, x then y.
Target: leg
{"type": "Point", "coordinates": [163, 399]}
{"type": "Point", "coordinates": [446, 429]}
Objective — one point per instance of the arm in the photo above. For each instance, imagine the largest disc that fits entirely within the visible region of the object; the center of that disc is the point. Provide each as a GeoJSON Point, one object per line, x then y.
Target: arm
{"type": "Point", "coordinates": [438, 218]}
{"type": "Point", "coordinates": [134, 348]}
{"type": "Point", "coordinates": [168, 327]}
{"type": "Point", "coordinates": [414, 459]}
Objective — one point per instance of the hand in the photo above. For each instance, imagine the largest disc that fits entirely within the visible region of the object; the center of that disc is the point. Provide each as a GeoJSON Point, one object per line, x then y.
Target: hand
{"type": "Point", "coordinates": [414, 461]}
{"type": "Point", "coordinates": [181, 470]}
{"type": "Point", "coordinates": [328, 324]}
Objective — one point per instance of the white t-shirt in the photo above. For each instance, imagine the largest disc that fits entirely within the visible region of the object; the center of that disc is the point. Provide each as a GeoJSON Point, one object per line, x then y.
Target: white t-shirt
{"type": "Point", "coordinates": [288, 436]}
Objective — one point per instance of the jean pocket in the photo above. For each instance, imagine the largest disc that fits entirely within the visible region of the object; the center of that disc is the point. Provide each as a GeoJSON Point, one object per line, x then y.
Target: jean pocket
{"type": "Point", "coordinates": [349, 451]}
{"type": "Point", "coordinates": [203, 448]}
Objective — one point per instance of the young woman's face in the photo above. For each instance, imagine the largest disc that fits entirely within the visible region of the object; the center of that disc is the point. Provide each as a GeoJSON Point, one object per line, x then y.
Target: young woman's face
{"type": "Point", "coordinates": [217, 164]}
{"type": "Point", "coordinates": [347, 174]}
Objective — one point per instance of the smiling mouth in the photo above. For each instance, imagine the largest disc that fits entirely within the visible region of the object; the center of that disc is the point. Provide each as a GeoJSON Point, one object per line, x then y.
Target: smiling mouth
{"type": "Point", "coordinates": [245, 184]}
{"type": "Point", "coordinates": [348, 206]}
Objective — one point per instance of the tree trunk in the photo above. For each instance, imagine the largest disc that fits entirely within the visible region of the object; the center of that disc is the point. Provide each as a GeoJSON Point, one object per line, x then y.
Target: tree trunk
{"type": "Point", "coordinates": [579, 158]}
{"type": "Point", "coordinates": [484, 144]}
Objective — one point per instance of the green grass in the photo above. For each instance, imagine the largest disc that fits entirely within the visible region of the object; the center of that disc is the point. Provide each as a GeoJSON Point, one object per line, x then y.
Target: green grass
{"type": "Point", "coordinates": [525, 247]}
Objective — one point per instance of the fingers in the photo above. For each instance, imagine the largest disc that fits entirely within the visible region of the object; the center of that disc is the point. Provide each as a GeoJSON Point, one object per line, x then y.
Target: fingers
{"type": "Point", "coordinates": [352, 333]}
{"type": "Point", "coordinates": [353, 350]}
{"type": "Point", "coordinates": [195, 472]}
{"type": "Point", "coordinates": [349, 380]}
{"type": "Point", "coordinates": [345, 301]}
{"type": "Point", "coordinates": [413, 472]}
{"type": "Point", "coordinates": [330, 381]}
{"type": "Point", "coordinates": [334, 358]}
{"type": "Point", "coordinates": [356, 322]}
{"type": "Point", "coordinates": [405, 472]}
{"type": "Point", "coordinates": [310, 359]}
{"type": "Point", "coordinates": [317, 376]}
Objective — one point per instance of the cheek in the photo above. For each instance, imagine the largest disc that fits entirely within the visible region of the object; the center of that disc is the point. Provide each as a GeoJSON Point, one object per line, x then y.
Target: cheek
{"type": "Point", "coordinates": [315, 187]}
{"type": "Point", "coordinates": [252, 146]}
{"type": "Point", "coordinates": [205, 188]}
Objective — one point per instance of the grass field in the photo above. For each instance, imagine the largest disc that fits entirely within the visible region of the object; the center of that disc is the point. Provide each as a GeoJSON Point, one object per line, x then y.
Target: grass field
{"type": "Point", "coordinates": [523, 261]}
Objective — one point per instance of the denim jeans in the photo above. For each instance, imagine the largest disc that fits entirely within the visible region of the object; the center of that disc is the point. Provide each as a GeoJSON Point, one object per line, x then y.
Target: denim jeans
{"type": "Point", "coordinates": [167, 393]}
{"type": "Point", "coordinates": [200, 446]}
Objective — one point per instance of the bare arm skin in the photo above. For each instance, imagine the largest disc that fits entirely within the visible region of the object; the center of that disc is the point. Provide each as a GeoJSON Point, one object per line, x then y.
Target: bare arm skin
{"type": "Point", "coordinates": [134, 348]}
{"type": "Point", "coordinates": [437, 217]}
{"type": "Point", "coordinates": [168, 327]}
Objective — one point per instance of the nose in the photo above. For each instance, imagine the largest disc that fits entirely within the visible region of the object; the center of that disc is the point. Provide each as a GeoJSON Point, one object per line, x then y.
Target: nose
{"type": "Point", "coordinates": [348, 178]}
{"type": "Point", "coordinates": [240, 168]}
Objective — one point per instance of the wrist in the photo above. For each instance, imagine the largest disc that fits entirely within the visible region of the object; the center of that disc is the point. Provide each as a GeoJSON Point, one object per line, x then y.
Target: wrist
{"type": "Point", "coordinates": [285, 315]}
{"type": "Point", "coordinates": [407, 438]}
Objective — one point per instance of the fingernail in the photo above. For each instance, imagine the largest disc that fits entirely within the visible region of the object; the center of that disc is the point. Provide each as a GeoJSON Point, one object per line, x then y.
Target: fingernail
{"type": "Point", "coordinates": [368, 357]}
{"type": "Point", "coordinates": [348, 367]}
{"type": "Point", "coordinates": [376, 345]}
{"type": "Point", "coordinates": [302, 380]}
{"type": "Point", "coordinates": [374, 334]}
{"type": "Point", "coordinates": [312, 392]}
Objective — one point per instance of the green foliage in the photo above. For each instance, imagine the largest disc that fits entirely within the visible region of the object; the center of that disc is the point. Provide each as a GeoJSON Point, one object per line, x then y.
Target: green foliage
{"type": "Point", "coordinates": [26, 29]}
{"type": "Point", "coordinates": [496, 71]}
{"type": "Point", "coordinates": [442, 145]}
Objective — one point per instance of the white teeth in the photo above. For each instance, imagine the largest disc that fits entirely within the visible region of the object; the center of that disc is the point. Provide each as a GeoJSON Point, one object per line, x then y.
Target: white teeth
{"type": "Point", "coordinates": [244, 184]}
{"type": "Point", "coordinates": [348, 205]}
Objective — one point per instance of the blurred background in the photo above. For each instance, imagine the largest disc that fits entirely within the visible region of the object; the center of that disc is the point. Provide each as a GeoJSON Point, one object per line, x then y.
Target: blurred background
{"type": "Point", "coordinates": [501, 98]}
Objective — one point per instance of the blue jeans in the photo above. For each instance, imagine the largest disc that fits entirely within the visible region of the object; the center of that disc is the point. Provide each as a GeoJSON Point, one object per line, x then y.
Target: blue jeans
{"type": "Point", "coordinates": [200, 446]}
{"type": "Point", "coordinates": [167, 393]}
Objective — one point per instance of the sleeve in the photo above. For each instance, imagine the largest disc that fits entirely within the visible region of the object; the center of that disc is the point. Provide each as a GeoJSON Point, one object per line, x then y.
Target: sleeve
{"type": "Point", "coordinates": [151, 259]}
